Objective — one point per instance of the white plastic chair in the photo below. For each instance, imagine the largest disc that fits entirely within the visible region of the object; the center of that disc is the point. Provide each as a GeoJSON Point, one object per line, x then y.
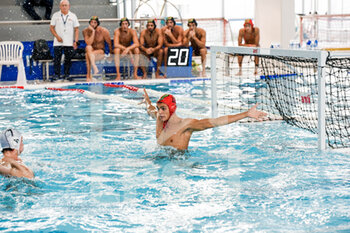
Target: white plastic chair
{"type": "Point", "coordinates": [11, 53]}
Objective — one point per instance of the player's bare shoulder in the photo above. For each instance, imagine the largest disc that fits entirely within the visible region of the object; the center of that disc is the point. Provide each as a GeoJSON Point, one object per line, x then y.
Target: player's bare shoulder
{"type": "Point", "coordinates": [158, 31]}
{"type": "Point", "coordinates": [103, 29]}
{"type": "Point", "coordinates": [132, 31]}
{"type": "Point", "coordinates": [178, 29]}
{"type": "Point", "coordinates": [87, 32]}
{"type": "Point", "coordinates": [117, 31]}
{"type": "Point", "coordinates": [186, 32]}
{"type": "Point", "coordinates": [241, 31]}
{"type": "Point", "coordinates": [162, 30]}
{"type": "Point", "coordinates": [188, 123]}
{"type": "Point", "coordinates": [87, 29]}
{"type": "Point", "coordinates": [201, 31]}
{"type": "Point", "coordinates": [143, 32]}
{"type": "Point", "coordinates": [256, 30]}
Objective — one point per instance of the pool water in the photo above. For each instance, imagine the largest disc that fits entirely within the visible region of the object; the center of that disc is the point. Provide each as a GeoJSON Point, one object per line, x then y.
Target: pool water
{"type": "Point", "coordinates": [98, 169]}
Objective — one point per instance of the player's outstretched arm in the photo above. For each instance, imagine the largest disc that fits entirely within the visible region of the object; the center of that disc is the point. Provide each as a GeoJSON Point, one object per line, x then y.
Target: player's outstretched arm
{"type": "Point", "coordinates": [151, 110]}
{"type": "Point", "coordinates": [199, 125]}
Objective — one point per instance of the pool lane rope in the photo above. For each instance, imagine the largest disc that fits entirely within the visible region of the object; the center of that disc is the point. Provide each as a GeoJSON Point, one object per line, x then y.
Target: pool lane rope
{"type": "Point", "coordinates": [98, 96]}
{"type": "Point", "coordinates": [150, 92]}
{"type": "Point", "coordinates": [271, 117]}
{"type": "Point", "coordinates": [65, 89]}
{"type": "Point", "coordinates": [158, 94]}
{"type": "Point", "coordinates": [118, 99]}
{"type": "Point", "coordinates": [18, 87]}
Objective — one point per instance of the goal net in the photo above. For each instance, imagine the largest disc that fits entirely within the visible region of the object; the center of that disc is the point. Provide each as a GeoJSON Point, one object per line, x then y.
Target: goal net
{"type": "Point", "coordinates": [305, 88]}
{"type": "Point", "coordinates": [331, 31]}
{"type": "Point", "coordinates": [218, 30]}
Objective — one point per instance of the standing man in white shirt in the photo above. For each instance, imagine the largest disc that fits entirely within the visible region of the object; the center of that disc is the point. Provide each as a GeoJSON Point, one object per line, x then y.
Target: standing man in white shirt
{"type": "Point", "coordinates": [65, 28]}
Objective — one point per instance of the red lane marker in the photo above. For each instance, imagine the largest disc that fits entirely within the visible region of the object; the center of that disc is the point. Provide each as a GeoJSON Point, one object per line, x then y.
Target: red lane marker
{"type": "Point", "coordinates": [113, 85]}
{"type": "Point", "coordinates": [131, 88]}
{"type": "Point", "coordinates": [64, 89]}
{"type": "Point", "coordinates": [19, 87]}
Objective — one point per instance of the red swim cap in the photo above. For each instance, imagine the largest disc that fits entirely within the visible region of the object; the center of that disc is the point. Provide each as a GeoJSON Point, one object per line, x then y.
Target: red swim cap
{"type": "Point", "coordinates": [170, 101]}
{"type": "Point", "coordinates": [248, 21]}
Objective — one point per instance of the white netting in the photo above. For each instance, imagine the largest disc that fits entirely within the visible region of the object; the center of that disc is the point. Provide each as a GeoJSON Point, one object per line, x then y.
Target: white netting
{"type": "Point", "coordinates": [218, 30]}
{"type": "Point", "coordinates": [289, 85]}
{"type": "Point", "coordinates": [331, 31]}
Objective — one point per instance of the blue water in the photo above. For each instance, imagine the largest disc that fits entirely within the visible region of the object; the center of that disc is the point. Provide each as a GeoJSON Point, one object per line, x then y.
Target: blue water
{"type": "Point", "coordinates": [98, 169]}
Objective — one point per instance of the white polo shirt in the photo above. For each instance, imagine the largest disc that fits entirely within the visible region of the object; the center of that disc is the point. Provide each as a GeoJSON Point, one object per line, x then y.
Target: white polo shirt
{"type": "Point", "coordinates": [64, 27]}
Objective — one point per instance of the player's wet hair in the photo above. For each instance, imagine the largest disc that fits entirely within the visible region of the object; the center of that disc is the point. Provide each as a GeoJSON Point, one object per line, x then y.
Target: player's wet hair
{"type": "Point", "coordinates": [124, 19]}
{"type": "Point", "coordinates": [192, 21]}
{"type": "Point", "coordinates": [170, 18]}
{"type": "Point", "coordinates": [152, 21]}
{"type": "Point", "coordinates": [248, 21]}
{"type": "Point", "coordinates": [95, 18]}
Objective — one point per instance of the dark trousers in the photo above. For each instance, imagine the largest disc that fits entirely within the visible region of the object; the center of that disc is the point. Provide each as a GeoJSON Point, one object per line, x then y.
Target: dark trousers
{"type": "Point", "coordinates": [68, 53]}
{"type": "Point", "coordinates": [28, 6]}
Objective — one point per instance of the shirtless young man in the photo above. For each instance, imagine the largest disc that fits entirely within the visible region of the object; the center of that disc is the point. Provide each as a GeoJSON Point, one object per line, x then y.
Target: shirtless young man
{"type": "Point", "coordinates": [126, 43]}
{"type": "Point", "coordinates": [197, 37]}
{"type": "Point", "coordinates": [151, 42]}
{"type": "Point", "coordinates": [173, 36]}
{"type": "Point", "coordinates": [174, 131]}
{"type": "Point", "coordinates": [12, 146]}
{"type": "Point", "coordinates": [95, 37]}
{"type": "Point", "coordinates": [251, 36]}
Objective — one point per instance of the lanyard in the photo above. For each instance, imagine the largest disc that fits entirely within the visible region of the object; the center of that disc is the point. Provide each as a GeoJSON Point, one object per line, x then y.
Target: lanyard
{"type": "Point", "coordinates": [64, 21]}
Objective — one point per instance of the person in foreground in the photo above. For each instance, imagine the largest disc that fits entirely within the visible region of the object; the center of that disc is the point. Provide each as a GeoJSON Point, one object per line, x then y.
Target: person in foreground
{"type": "Point", "coordinates": [12, 146]}
{"type": "Point", "coordinates": [174, 131]}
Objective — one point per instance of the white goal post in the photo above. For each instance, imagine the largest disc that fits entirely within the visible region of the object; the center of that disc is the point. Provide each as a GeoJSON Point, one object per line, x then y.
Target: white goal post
{"type": "Point", "coordinates": [320, 55]}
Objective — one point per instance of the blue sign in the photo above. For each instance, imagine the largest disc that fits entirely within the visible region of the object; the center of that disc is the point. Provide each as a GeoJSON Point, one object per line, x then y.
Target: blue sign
{"type": "Point", "coordinates": [179, 62]}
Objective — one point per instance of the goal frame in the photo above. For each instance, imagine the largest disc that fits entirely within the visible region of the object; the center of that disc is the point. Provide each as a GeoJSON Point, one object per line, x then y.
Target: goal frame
{"type": "Point", "coordinates": [321, 57]}
{"type": "Point", "coordinates": [313, 20]}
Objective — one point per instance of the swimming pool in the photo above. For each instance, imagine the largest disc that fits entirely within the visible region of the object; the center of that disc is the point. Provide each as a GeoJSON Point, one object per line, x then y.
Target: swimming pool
{"type": "Point", "coordinates": [98, 169]}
